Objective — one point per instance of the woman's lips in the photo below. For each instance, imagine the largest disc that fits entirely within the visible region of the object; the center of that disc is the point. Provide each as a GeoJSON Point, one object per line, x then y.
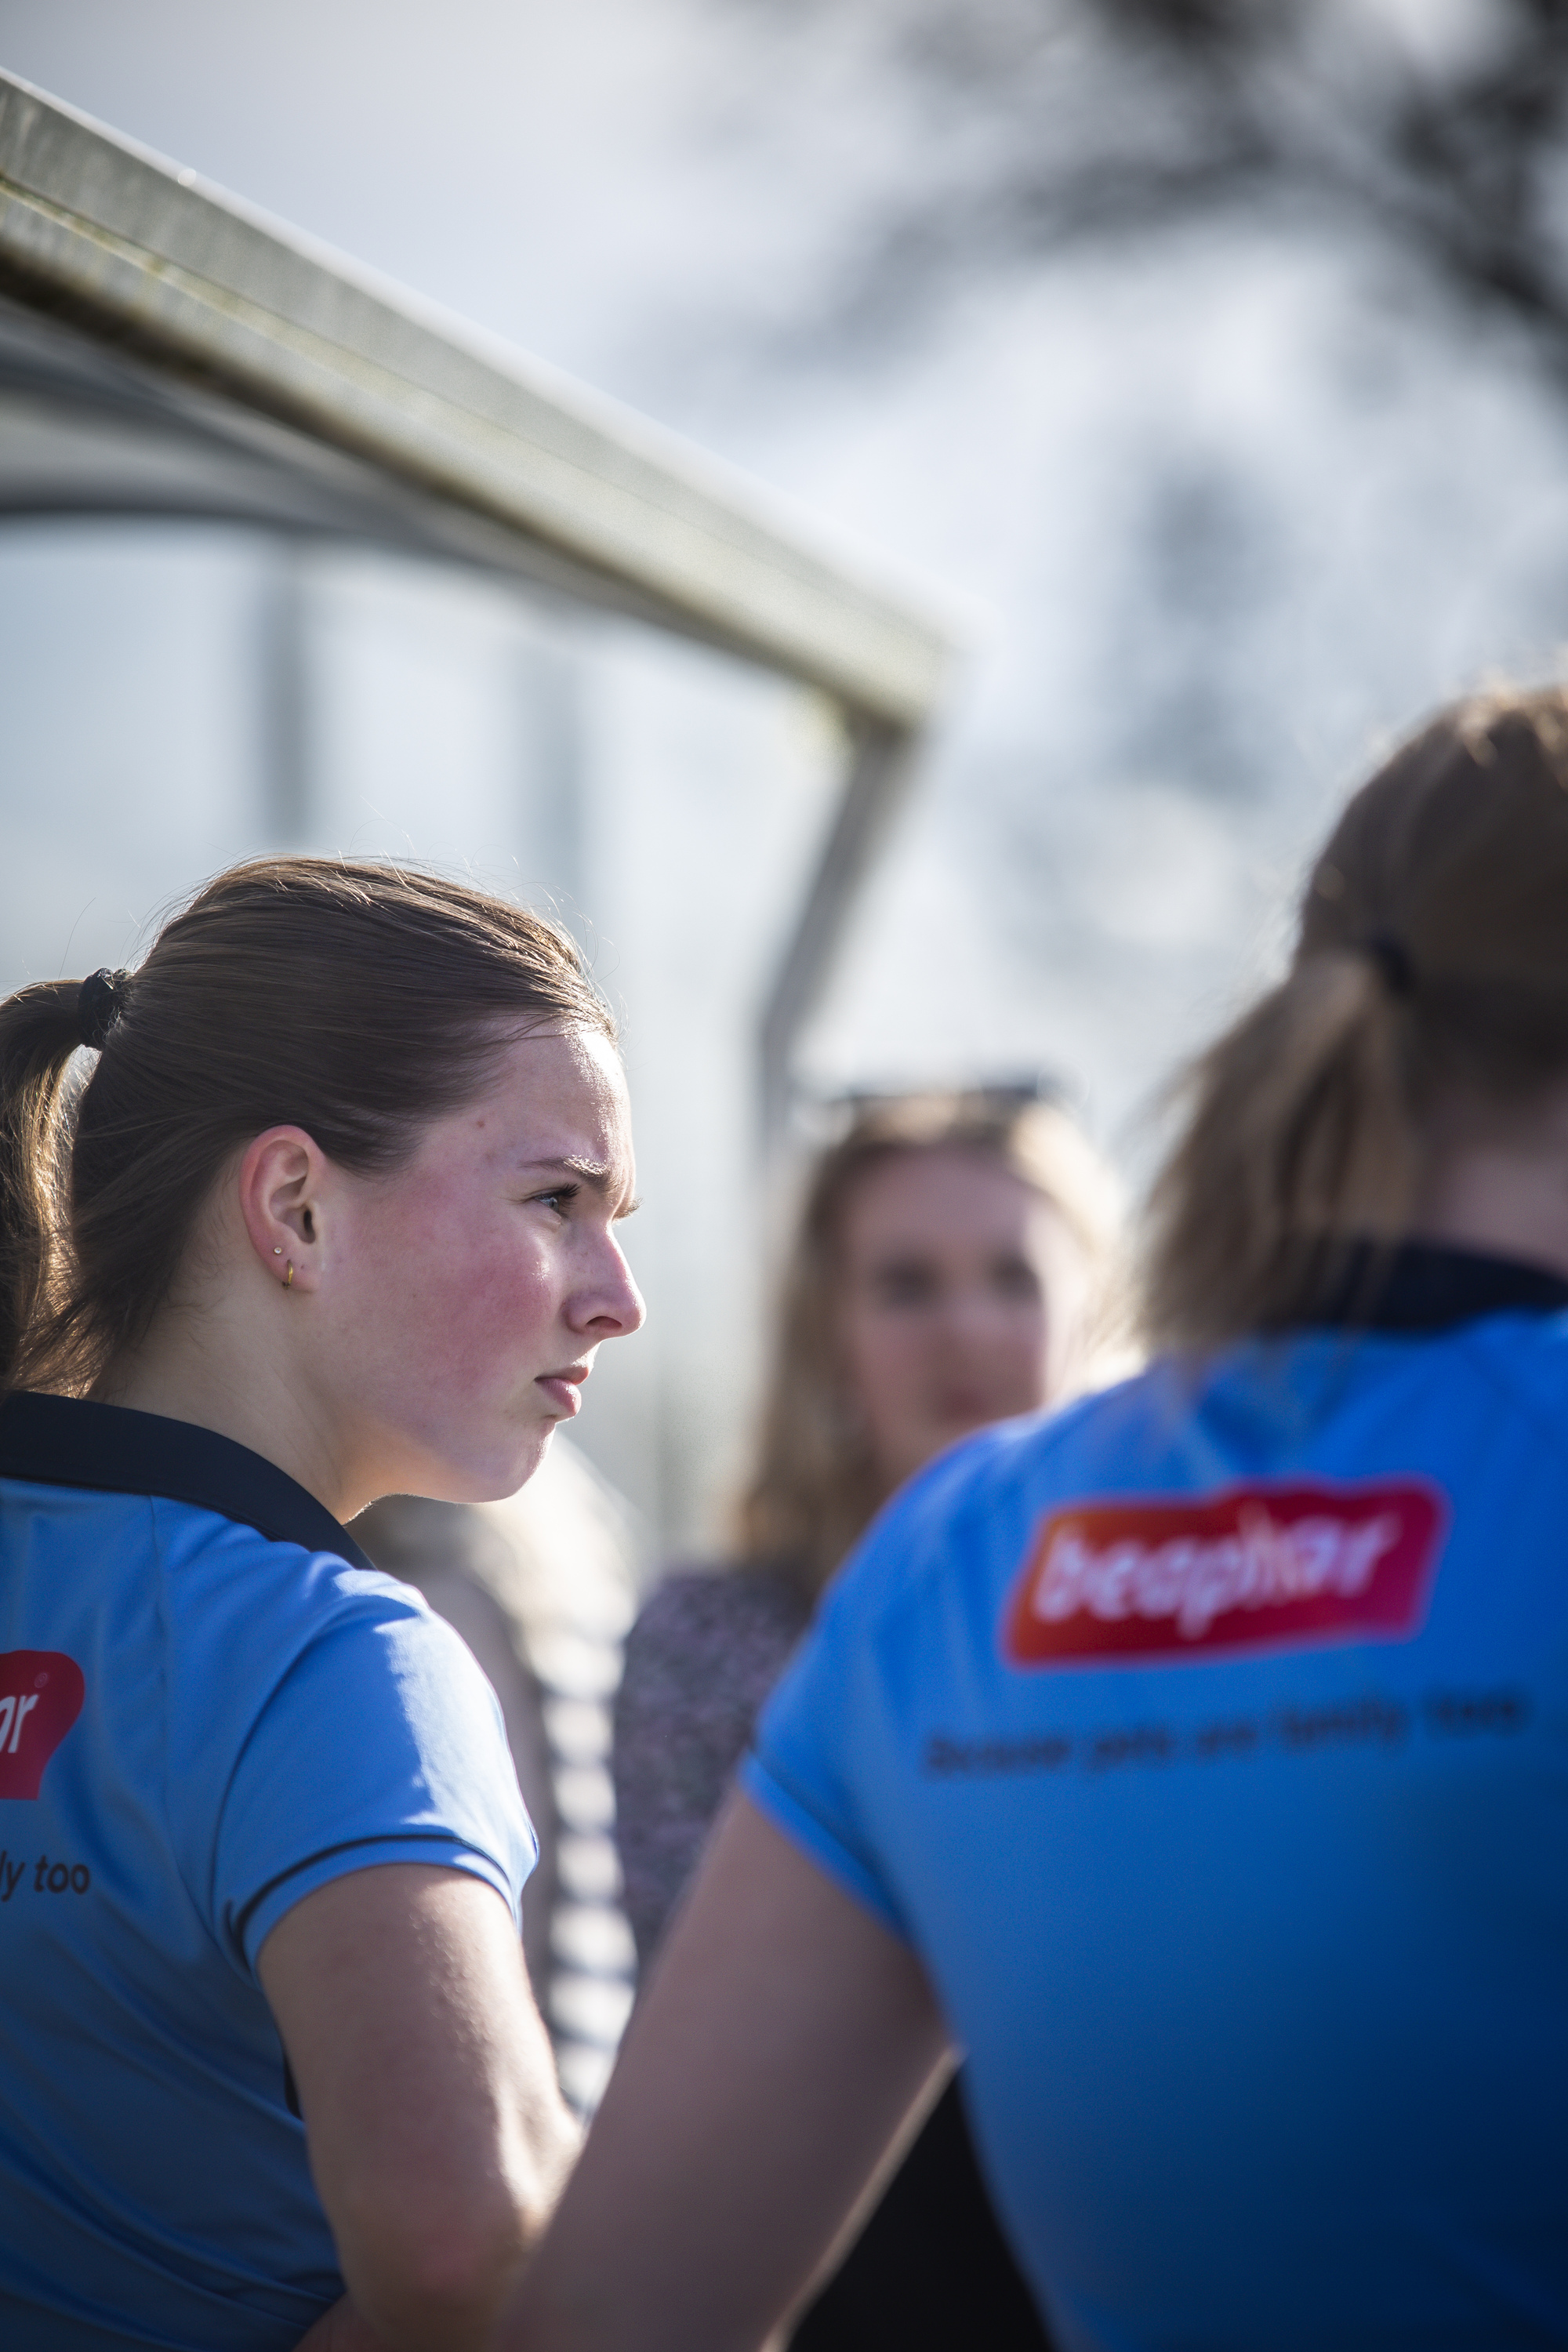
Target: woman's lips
{"type": "Point", "coordinates": [564, 1391]}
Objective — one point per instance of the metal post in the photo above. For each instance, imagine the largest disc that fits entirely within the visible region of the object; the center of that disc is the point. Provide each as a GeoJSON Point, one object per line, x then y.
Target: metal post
{"type": "Point", "coordinates": [282, 695]}
{"type": "Point", "coordinates": [880, 768]}
{"type": "Point", "coordinates": [551, 688]}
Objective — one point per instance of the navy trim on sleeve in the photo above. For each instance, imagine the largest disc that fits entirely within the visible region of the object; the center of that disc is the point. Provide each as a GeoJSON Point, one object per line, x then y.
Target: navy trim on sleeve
{"type": "Point", "coordinates": [445, 1838]}
{"type": "Point", "coordinates": [53, 1441]}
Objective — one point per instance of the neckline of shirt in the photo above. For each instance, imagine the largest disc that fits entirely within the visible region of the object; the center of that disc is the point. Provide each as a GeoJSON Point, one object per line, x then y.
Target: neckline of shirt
{"type": "Point", "coordinates": [1432, 1287]}
{"type": "Point", "coordinates": [55, 1441]}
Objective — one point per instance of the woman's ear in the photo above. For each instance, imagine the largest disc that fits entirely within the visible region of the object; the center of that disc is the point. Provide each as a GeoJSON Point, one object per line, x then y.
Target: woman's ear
{"type": "Point", "coordinates": [281, 1182]}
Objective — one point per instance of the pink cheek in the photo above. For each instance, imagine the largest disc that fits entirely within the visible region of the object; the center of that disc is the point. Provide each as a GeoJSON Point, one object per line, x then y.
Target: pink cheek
{"type": "Point", "coordinates": [454, 1307]}
{"type": "Point", "coordinates": [483, 1302]}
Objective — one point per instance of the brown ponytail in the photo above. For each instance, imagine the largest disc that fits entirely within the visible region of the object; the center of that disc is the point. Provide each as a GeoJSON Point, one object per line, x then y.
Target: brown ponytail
{"type": "Point", "coordinates": [1431, 968]}
{"type": "Point", "coordinates": [39, 1032]}
{"type": "Point", "coordinates": [356, 1001]}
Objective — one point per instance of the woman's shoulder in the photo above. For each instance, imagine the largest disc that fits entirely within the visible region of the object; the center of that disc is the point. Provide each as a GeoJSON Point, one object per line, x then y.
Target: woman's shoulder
{"type": "Point", "coordinates": [718, 1612]}
{"type": "Point", "coordinates": [131, 1497]}
{"type": "Point", "coordinates": [720, 1600]}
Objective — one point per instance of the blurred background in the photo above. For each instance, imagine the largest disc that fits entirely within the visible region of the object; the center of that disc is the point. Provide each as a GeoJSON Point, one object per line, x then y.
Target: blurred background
{"type": "Point", "coordinates": [1207, 359]}
{"type": "Point", "coordinates": [1203, 366]}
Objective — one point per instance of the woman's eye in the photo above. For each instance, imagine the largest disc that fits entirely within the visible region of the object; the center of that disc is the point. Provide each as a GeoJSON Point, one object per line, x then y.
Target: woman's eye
{"type": "Point", "coordinates": [560, 1198]}
{"type": "Point", "coordinates": [1014, 1278]}
{"type": "Point", "coordinates": [904, 1286]}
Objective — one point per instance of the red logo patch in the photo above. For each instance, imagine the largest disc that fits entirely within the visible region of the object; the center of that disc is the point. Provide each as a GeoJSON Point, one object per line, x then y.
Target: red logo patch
{"type": "Point", "coordinates": [41, 1692]}
{"type": "Point", "coordinates": [1254, 1567]}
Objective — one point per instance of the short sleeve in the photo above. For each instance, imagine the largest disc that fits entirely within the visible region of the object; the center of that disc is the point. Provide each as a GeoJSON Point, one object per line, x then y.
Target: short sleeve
{"type": "Point", "coordinates": [376, 1739]}
{"type": "Point", "coordinates": [810, 1768]}
{"type": "Point", "coordinates": [829, 1766]}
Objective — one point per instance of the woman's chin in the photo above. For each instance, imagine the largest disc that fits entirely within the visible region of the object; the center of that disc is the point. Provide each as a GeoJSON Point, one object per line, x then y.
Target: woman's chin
{"type": "Point", "coordinates": [529, 1457]}
{"type": "Point", "coordinates": [492, 1480]}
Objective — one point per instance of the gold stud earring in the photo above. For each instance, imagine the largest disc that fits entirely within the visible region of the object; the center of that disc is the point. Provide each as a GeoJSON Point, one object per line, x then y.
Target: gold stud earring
{"type": "Point", "coordinates": [277, 1249]}
{"type": "Point", "coordinates": [290, 1276]}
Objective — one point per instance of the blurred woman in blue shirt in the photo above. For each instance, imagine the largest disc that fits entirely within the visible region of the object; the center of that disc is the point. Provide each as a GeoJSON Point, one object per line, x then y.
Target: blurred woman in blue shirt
{"type": "Point", "coordinates": [1196, 1761]}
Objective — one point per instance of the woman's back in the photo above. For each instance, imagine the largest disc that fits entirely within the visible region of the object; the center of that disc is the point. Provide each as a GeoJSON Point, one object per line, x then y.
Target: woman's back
{"type": "Point", "coordinates": [1199, 1762]}
{"type": "Point", "coordinates": [1208, 1744]}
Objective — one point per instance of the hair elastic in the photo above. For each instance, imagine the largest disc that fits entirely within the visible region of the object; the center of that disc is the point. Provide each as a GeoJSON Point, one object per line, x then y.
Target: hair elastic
{"type": "Point", "coordinates": [99, 1001]}
{"type": "Point", "coordinates": [1392, 959]}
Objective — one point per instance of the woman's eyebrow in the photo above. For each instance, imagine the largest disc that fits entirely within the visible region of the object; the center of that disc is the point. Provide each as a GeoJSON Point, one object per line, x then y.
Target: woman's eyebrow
{"type": "Point", "coordinates": [599, 1175]}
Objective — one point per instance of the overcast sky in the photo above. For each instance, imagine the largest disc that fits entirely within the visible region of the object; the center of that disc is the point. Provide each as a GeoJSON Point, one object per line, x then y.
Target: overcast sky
{"type": "Point", "coordinates": [1224, 510]}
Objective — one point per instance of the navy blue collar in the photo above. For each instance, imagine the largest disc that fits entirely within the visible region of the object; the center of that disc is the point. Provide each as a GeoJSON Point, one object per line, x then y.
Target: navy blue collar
{"type": "Point", "coordinates": [53, 1441]}
{"type": "Point", "coordinates": [1427, 1286]}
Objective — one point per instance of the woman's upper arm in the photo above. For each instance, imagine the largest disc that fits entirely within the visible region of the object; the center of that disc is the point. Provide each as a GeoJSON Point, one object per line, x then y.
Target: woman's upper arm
{"type": "Point", "coordinates": [436, 2135]}
{"type": "Point", "coordinates": [781, 2042]}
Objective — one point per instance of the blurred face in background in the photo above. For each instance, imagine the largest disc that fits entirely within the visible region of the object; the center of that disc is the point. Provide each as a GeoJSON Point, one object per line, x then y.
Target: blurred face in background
{"type": "Point", "coordinates": [963, 1293]}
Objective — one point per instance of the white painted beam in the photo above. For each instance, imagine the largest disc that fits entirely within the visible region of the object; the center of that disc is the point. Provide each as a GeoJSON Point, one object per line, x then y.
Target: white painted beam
{"type": "Point", "coordinates": [95, 228]}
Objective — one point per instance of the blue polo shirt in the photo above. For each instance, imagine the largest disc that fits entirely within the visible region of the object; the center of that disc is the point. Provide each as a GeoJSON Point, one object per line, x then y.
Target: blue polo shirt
{"type": "Point", "coordinates": [210, 1704]}
{"type": "Point", "coordinates": [1209, 1742]}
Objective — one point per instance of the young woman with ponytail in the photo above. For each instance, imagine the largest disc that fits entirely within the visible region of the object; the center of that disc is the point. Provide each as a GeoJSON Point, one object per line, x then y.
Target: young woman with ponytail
{"type": "Point", "coordinates": [1196, 1759]}
{"type": "Point", "coordinates": [315, 1205]}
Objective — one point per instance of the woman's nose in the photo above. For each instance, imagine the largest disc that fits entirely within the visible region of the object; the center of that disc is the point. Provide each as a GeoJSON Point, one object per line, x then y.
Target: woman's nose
{"type": "Point", "coordinates": [969, 1311]}
{"type": "Point", "coordinates": [610, 1304]}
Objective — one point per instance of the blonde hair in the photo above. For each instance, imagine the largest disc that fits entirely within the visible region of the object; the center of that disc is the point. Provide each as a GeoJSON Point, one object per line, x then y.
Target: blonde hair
{"type": "Point", "coordinates": [1431, 967]}
{"type": "Point", "coordinates": [815, 1485]}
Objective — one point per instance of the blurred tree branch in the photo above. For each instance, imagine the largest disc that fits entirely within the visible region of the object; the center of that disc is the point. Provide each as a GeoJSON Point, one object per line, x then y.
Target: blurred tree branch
{"type": "Point", "coordinates": [1436, 128]}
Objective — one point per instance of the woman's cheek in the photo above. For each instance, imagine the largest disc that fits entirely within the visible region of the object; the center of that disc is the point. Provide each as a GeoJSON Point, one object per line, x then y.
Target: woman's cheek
{"type": "Point", "coordinates": [1030, 1353]}
{"type": "Point", "coordinates": [516, 1295]}
{"type": "Point", "coordinates": [893, 1360]}
{"type": "Point", "coordinates": [486, 1301]}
